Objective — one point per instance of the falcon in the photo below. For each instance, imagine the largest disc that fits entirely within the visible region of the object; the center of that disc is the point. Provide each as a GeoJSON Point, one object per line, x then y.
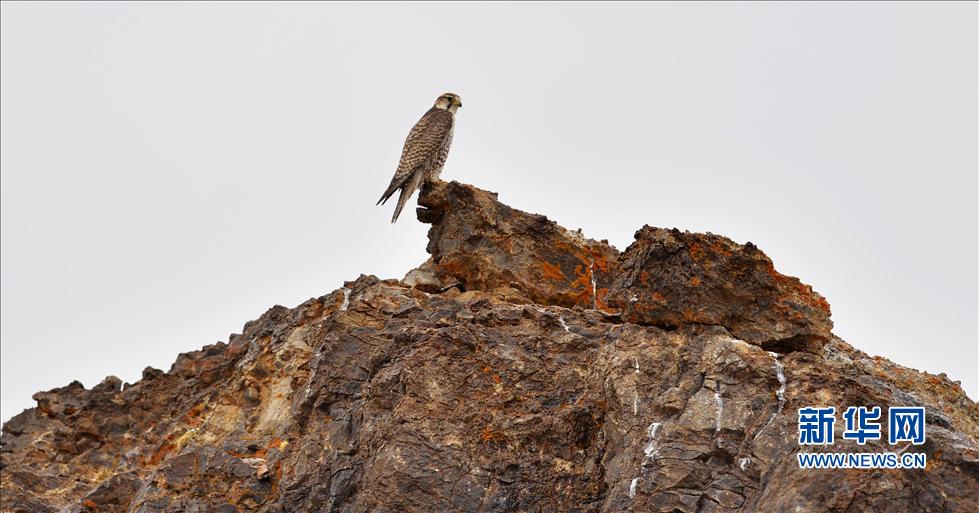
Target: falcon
{"type": "Point", "coordinates": [425, 151]}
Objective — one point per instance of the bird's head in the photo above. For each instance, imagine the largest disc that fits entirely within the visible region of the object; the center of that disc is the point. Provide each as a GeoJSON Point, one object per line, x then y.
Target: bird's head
{"type": "Point", "coordinates": [449, 101]}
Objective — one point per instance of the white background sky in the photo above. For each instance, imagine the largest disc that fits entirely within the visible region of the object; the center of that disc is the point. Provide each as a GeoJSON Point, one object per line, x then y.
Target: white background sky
{"type": "Point", "coordinates": [171, 170]}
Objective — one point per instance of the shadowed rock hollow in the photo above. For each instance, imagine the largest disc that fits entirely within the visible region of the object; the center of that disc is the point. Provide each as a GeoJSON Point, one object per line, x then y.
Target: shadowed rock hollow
{"type": "Point", "coordinates": [523, 368]}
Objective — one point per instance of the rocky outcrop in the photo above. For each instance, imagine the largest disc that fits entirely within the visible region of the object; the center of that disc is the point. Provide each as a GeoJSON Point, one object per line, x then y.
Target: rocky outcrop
{"type": "Point", "coordinates": [666, 278]}
{"type": "Point", "coordinates": [478, 243]}
{"type": "Point", "coordinates": [523, 368]}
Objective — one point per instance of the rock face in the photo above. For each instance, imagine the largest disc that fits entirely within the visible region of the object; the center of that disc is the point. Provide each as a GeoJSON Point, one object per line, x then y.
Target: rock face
{"type": "Point", "coordinates": [524, 368]}
{"type": "Point", "coordinates": [667, 278]}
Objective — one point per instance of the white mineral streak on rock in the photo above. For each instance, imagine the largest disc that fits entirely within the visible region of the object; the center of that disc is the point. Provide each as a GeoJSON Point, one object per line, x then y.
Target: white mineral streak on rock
{"type": "Point", "coordinates": [649, 455]}
{"type": "Point", "coordinates": [719, 402]}
{"type": "Point", "coordinates": [346, 300]}
{"type": "Point", "coordinates": [780, 393]}
{"type": "Point", "coordinates": [781, 382]}
{"type": "Point", "coordinates": [637, 365]}
{"type": "Point", "coordinates": [635, 404]}
{"type": "Point", "coordinates": [743, 462]}
{"type": "Point", "coordinates": [563, 324]}
{"type": "Point", "coordinates": [650, 450]}
{"type": "Point", "coordinates": [560, 319]}
{"type": "Point", "coordinates": [594, 286]}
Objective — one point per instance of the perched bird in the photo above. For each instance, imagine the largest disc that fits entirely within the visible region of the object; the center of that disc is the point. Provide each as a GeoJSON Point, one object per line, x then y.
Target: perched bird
{"type": "Point", "coordinates": [425, 151]}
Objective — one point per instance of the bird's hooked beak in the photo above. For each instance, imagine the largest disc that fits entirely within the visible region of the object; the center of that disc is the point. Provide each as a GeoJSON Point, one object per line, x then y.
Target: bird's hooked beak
{"type": "Point", "coordinates": [450, 101]}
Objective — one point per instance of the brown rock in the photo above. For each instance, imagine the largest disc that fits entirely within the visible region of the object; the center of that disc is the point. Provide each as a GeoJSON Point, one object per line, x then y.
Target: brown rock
{"type": "Point", "coordinates": [485, 245]}
{"type": "Point", "coordinates": [383, 397]}
{"type": "Point", "coordinates": [666, 278]}
{"type": "Point", "coordinates": [425, 278]}
{"type": "Point", "coordinates": [671, 278]}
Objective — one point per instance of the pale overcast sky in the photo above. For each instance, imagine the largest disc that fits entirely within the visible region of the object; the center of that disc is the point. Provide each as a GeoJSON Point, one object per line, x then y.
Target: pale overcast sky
{"type": "Point", "coordinates": [171, 170]}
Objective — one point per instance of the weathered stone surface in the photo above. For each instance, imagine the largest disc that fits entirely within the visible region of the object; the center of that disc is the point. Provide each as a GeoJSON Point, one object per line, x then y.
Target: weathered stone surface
{"type": "Point", "coordinates": [671, 278]}
{"type": "Point", "coordinates": [666, 278]}
{"type": "Point", "coordinates": [485, 245]}
{"type": "Point", "coordinates": [494, 396]}
{"type": "Point", "coordinates": [425, 278]}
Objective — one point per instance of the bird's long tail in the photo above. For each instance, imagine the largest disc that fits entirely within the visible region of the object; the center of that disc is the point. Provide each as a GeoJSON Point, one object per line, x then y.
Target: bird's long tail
{"type": "Point", "coordinates": [407, 189]}
{"type": "Point", "coordinates": [390, 190]}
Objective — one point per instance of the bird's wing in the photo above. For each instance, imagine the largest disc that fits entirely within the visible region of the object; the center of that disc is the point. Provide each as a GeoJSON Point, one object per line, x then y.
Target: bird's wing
{"type": "Point", "coordinates": [421, 145]}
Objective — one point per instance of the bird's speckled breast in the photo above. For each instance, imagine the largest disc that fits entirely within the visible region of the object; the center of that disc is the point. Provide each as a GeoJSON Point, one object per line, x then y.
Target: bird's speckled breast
{"type": "Point", "coordinates": [440, 157]}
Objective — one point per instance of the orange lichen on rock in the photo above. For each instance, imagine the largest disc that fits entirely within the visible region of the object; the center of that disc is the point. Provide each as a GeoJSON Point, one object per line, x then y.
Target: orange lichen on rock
{"type": "Point", "coordinates": [711, 280]}
{"type": "Point", "coordinates": [488, 435]}
{"type": "Point", "coordinates": [277, 443]}
{"type": "Point", "coordinates": [689, 315]}
{"type": "Point", "coordinates": [598, 260]}
{"type": "Point", "coordinates": [720, 248]}
{"type": "Point", "coordinates": [161, 453]}
{"type": "Point", "coordinates": [583, 280]}
{"type": "Point", "coordinates": [600, 302]}
{"type": "Point", "coordinates": [696, 251]}
{"type": "Point", "coordinates": [551, 272]}
{"type": "Point", "coordinates": [803, 291]}
{"type": "Point", "coordinates": [193, 417]}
